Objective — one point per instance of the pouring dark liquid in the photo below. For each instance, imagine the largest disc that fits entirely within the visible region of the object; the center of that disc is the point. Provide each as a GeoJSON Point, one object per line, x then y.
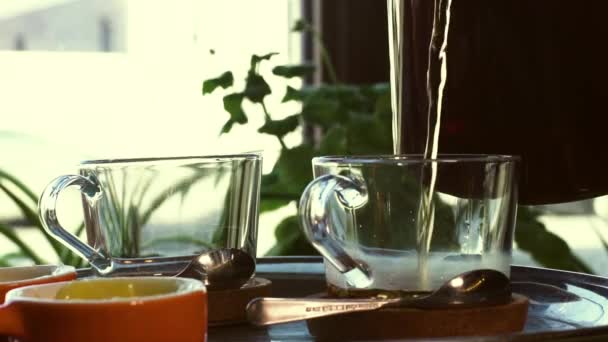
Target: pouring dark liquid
{"type": "Point", "coordinates": [521, 77]}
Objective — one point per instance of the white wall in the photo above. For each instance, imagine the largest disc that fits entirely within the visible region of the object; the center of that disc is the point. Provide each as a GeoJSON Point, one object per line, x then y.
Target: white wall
{"type": "Point", "coordinates": [61, 107]}
{"type": "Point", "coordinates": [65, 26]}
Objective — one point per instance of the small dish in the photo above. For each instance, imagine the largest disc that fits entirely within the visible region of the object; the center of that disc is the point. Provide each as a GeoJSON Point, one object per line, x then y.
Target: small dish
{"type": "Point", "coordinates": [114, 309]}
{"type": "Point", "coordinates": [15, 277]}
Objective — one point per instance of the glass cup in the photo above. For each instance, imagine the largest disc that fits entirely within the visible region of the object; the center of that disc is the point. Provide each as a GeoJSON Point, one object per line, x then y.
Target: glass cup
{"type": "Point", "coordinates": [395, 225]}
{"type": "Point", "coordinates": [110, 309]}
{"type": "Point", "coordinates": [151, 216]}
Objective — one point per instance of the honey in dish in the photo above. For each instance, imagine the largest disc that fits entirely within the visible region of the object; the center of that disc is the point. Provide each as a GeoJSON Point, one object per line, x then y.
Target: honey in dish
{"type": "Point", "coordinates": [114, 289]}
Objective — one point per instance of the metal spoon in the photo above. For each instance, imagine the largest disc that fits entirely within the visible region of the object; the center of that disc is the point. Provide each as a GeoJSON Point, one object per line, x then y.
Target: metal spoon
{"type": "Point", "coordinates": [475, 288]}
{"type": "Point", "coordinates": [221, 269]}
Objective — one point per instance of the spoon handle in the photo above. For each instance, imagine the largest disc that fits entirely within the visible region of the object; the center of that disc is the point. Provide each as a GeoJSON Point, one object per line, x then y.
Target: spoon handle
{"type": "Point", "coordinates": [266, 311]}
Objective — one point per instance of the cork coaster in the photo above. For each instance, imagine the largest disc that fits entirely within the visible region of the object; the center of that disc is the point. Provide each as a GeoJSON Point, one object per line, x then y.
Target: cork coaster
{"type": "Point", "coordinates": [393, 323]}
{"type": "Point", "coordinates": [228, 306]}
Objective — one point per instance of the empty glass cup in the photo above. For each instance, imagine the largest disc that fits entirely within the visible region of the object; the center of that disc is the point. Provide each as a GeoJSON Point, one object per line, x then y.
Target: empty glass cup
{"type": "Point", "coordinates": [151, 216]}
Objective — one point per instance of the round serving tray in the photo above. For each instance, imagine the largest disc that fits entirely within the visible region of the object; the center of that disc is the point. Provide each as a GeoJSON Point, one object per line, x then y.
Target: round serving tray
{"type": "Point", "coordinates": [585, 319]}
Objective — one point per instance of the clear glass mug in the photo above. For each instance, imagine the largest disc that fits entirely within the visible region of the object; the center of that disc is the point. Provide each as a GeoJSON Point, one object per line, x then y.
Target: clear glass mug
{"type": "Point", "coordinates": [401, 224]}
{"type": "Point", "coordinates": [151, 216]}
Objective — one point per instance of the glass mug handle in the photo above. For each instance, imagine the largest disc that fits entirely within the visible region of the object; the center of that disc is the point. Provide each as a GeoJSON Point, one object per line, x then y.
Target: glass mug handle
{"type": "Point", "coordinates": [47, 209]}
{"type": "Point", "coordinates": [315, 219]}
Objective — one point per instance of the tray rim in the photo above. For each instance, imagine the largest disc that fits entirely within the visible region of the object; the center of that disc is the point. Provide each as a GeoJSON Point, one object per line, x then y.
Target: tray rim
{"type": "Point", "coordinates": [579, 334]}
{"type": "Point", "coordinates": [538, 272]}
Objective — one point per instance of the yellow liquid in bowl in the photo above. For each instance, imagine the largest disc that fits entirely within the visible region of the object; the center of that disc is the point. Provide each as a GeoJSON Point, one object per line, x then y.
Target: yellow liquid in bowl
{"type": "Point", "coordinates": [116, 289]}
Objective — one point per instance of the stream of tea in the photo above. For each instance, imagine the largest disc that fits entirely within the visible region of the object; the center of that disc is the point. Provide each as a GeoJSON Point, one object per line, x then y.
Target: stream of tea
{"type": "Point", "coordinates": [436, 78]}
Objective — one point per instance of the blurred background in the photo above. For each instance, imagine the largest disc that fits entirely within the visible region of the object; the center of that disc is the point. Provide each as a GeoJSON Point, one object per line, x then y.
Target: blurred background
{"type": "Point", "coordinates": [96, 79]}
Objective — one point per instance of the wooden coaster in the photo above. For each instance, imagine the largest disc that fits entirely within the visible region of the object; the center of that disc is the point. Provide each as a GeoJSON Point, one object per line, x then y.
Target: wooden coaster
{"type": "Point", "coordinates": [228, 306]}
{"type": "Point", "coordinates": [395, 323]}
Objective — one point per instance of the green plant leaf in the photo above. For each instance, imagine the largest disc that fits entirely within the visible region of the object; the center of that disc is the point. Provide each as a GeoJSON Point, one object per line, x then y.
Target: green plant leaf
{"type": "Point", "coordinates": [233, 104]}
{"type": "Point", "coordinates": [294, 169]}
{"type": "Point", "coordinates": [334, 142]}
{"type": "Point", "coordinates": [367, 134]}
{"type": "Point", "coordinates": [20, 185]}
{"type": "Point", "coordinates": [7, 260]}
{"type": "Point", "coordinates": [350, 97]}
{"type": "Point", "coordinates": [290, 71]}
{"type": "Point", "coordinates": [280, 128]}
{"type": "Point", "coordinates": [256, 60]}
{"type": "Point", "coordinates": [227, 126]}
{"type": "Point", "coordinates": [224, 81]}
{"type": "Point", "coordinates": [23, 247]}
{"type": "Point", "coordinates": [322, 111]}
{"type": "Point", "coordinates": [269, 179]}
{"type": "Point", "coordinates": [32, 217]}
{"type": "Point", "coordinates": [174, 190]}
{"type": "Point", "coordinates": [256, 88]}
{"type": "Point", "coordinates": [290, 239]}
{"type": "Point", "coordinates": [270, 204]}
{"type": "Point", "coordinates": [274, 192]}
{"type": "Point", "coordinates": [67, 256]}
{"type": "Point", "coordinates": [300, 26]}
{"type": "Point", "coordinates": [330, 105]}
{"type": "Point", "coordinates": [72, 258]}
{"type": "Point", "coordinates": [181, 239]}
{"type": "Point", "coordinates": [545, 247]}
{"type": "Point", "coordinates": [290, 175]}
{"type": "Point", "coordinates": [14, 255]}
{"type": "Point", "coordinates": [264, 57]}
{"type": "Point", "coordinates": [383, 108]}
{"type": "Point", "coordinates": [221, 232]}
{"type": "Point", "coordinates": [292, 94]}
{"type": "Point", "coordinates": [376, 90]}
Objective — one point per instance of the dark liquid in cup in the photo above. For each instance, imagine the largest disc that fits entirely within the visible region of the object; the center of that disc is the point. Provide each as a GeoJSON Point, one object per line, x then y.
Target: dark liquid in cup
{"type": "Point", "coordinates": [521, 77]}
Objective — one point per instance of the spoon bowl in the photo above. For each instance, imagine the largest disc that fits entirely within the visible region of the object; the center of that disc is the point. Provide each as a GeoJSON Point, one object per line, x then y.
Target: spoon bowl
{"type": "Point", "coordinates": [222, 268]}
{"type": "Point", "coordinates": [474, 288]}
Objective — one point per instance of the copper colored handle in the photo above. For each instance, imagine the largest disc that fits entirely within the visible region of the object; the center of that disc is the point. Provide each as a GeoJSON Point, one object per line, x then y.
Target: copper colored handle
{"type": "Point", "coordinates": [11, 323]}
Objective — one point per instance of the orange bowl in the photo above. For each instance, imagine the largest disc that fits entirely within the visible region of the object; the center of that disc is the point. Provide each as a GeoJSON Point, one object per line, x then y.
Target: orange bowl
{"type": "Point", "coordinates": [14, 277]}
{"type": "Point", "coordinates": [108, 309]}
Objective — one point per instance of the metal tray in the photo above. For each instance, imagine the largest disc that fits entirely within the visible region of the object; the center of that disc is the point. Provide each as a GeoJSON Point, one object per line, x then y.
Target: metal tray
{"type": "Point", "coordinates": [582, 320]}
